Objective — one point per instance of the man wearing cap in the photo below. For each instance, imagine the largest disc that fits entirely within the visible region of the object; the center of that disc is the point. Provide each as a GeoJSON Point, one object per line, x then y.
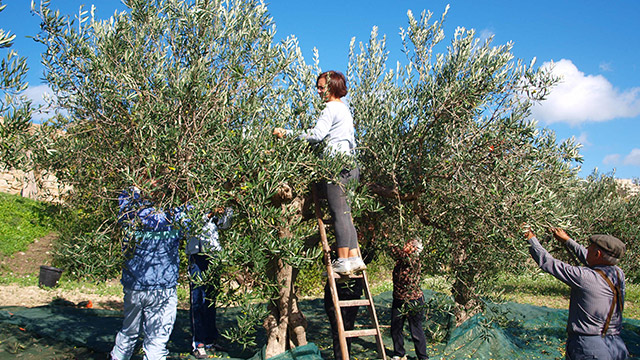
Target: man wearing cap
{"type": "Point", "coordinates": [597, 294]}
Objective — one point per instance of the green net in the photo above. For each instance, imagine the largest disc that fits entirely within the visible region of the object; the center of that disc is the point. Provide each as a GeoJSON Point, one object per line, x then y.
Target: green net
{"type": "Point", "coordinates": [503, 331]}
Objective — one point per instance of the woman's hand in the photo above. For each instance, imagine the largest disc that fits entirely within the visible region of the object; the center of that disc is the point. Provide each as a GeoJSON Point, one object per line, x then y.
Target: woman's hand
{"type": "Point", "coordinates": [279, 132]}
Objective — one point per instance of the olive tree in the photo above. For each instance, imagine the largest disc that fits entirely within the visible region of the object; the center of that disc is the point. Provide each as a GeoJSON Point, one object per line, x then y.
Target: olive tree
{"type": "Point", "coordinates": [15, 108]}
{"type": "Point", "coordinates": [600, 205]}
{"type": "Point", "coordinates": [448, 144]}
{"type": "Point", "coordinates": [187, 94]}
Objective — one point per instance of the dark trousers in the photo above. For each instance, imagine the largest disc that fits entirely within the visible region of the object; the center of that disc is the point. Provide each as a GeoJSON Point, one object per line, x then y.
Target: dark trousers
{"type": "Point", "coordinates": [340, 210]}
{"type": "Point", "coordinates": [596, 347]}
{"type": "Point", "coordinates": [203, 306]}
{"type": "Point", "coordinates": [413, 311]}
{"type": "Point", "coordinates": [349, 290]}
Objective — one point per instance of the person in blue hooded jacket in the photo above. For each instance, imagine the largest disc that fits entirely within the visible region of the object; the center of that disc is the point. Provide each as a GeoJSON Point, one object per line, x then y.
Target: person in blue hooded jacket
{"type": "Point", "coordinates": [149, 275]}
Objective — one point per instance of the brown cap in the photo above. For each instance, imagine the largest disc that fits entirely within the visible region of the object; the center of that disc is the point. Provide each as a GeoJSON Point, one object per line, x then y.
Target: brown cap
{"type": "Point", "coordinates": [610, 244]}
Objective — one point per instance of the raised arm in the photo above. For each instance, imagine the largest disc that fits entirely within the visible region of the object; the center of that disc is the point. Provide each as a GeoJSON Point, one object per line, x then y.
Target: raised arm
{"type": "Point", "coordinates": [568, 274]}
{"type": "Point", "coordinates": [578, 250]}
{"type": "Point", "coordinates": [128, 203]}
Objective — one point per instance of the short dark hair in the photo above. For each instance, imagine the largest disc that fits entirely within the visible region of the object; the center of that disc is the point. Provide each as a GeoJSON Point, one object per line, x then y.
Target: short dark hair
{"type": "Point", "coordinates": [336, 82]}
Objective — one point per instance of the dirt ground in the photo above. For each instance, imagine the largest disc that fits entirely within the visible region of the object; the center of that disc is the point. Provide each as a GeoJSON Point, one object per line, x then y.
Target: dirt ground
{"type": "Point", "coordinates": [28, 263]}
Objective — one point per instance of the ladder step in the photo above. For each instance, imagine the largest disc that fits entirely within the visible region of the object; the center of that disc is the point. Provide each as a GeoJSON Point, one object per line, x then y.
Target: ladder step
{"type": "Point", "coordinates": [358, 333]}
{"type": "Point", "coordinates": [350, 276]}
{"type": "Point", "coordinates": [344, 277]}
{"type": "Point", "coordinates": [351, 303]}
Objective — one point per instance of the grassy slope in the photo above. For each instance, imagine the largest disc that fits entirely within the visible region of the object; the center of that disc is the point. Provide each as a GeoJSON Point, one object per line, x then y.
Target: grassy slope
{"type": "Point", "coordinates": [22, 221]}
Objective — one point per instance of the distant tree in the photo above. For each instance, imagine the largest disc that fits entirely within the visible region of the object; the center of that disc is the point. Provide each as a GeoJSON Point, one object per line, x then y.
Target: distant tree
{"type": "Point", "coordinates": [599, 205]}
{"type": "Point", "coordinates": [447, 141]}
{"type": "Point", "coordinates": [187, 93]}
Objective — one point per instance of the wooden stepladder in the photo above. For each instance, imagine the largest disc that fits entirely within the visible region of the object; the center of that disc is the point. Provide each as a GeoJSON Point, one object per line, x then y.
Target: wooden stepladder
{"type": "Point", "coordinates": [339, 304]}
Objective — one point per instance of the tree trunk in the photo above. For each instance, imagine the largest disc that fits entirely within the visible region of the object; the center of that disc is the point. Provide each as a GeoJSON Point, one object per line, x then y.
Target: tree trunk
{"type": "Point", "coordinates": [30, 186]}
{"type": "Point", "coordinates": [297, 321]}
{"type": "Point", "coordinates": [463, 288]}
{"type": "Point", "coordinates": [286, 325]}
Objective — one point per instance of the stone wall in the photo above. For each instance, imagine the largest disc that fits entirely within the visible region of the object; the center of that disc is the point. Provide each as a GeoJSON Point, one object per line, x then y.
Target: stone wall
{"type": "Point", "coordinates": [37, 186]}
{"type": "Point", "coordinates": [45, 187]}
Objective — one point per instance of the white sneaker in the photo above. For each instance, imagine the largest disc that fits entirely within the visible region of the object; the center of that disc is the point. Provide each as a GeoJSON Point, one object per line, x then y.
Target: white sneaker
{"type": "Point", "coordinates": [357, 265]}
{"type": "Point", "coordinates": [341, 266]}
{"type": "Point", "coordinates": [200, 352]}
{"type": "Point", "coordinates": [399, 358]}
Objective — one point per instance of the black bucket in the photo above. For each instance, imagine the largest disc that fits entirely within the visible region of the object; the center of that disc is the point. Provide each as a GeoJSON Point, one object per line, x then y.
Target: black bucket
{"type": "Point", "coordinates": [49, 276]}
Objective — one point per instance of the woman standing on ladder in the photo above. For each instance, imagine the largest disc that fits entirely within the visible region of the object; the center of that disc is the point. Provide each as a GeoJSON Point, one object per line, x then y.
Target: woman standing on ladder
{"type": "Point", "coordinates": [336, 125]}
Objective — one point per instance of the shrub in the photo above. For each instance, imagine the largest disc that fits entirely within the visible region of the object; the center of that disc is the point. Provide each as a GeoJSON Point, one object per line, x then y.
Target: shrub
{"type": "Point", "coordinates": [91, 255]}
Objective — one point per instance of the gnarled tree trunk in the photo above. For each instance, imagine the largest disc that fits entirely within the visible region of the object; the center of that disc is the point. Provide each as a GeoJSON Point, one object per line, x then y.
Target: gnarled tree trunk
{"type": "Point", "coordinates": [286, 325]}
{"type": "Point", "coordinates": [463, 288]}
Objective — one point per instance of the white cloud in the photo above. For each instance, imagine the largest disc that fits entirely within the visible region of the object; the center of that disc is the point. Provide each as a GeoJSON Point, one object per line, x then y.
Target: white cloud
{"type": "Point", "coordinates": [484, 35]}
{"type": "Point", "coordinates": [583, 139]}
{"type": "Point", "coordinates": [611, 159]}
{"type": "Point", "coordinates": [580, 98]}
{"type": "Point", "coordinates": [605, 66]}
{"type": "Point", "coordinates": [39, 95]}
{"type": "Point", "coordinates": [633, 158]}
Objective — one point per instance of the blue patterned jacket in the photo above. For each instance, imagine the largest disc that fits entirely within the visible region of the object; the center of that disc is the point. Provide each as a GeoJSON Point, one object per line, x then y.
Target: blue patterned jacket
{"type": "Point", "coordinates": [151, 243]}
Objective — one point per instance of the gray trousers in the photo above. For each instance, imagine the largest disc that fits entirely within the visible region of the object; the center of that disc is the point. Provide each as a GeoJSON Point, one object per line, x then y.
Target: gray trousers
{"type": "Point", "coordinates": [340, 210]}
{"type": "Point", "coordinates": [596, 347]}
{"type": "Point", "coordinates": [151, 312]}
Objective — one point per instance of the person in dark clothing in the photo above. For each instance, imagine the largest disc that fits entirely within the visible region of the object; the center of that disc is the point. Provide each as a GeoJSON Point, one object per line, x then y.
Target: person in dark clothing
{"type": "Point", "coordinates": [408, 300]}
{"type": "Point", "coordinates": [201, 249]}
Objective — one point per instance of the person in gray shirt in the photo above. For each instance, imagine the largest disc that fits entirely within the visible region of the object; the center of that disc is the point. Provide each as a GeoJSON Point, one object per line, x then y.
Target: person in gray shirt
{"type": "Point", "coordinates": [597, 294]}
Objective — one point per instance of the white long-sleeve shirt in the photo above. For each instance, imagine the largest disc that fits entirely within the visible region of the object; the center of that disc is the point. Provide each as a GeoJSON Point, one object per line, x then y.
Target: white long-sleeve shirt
{"type": "Point", "coordinates": [207, 239]}
{"type": "Point", "coordinates": [336, 124]}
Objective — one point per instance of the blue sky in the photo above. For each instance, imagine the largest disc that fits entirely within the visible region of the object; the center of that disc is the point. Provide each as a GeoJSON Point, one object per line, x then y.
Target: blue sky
{"type": "Point", "coordinates": [593, 44]}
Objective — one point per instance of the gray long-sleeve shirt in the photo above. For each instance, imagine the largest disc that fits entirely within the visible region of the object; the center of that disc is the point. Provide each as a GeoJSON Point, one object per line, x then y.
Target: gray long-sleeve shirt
{"type": "Point", "coordinates": [591, 296]}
